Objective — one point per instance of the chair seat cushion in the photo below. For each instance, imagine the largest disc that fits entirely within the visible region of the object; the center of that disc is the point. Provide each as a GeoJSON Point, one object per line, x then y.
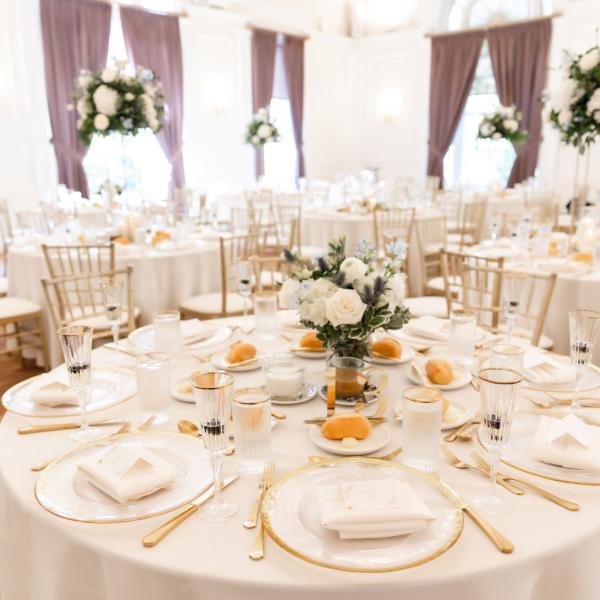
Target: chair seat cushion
{"type": "Point", "coordinates": [433, 248]}
{"type": "Point", "coordinates": [454, 239]}
{"type": "Point", "coordinates": [99, 321]}
{"type": "Point", "coordinates": [436, 284]}
{"type": "Point", "coordinates": [545, 342]}
{"type": "Point", "coordinates": [12, 307]}
{"type": "Point", "coordinates": [211, 304]}
{"type": "Point", "coordinates": [271, 279]}
{"type": "Point", "coordinates": [423, 306]}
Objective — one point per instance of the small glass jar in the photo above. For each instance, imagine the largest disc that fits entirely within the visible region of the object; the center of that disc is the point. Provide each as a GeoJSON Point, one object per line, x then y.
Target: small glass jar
{"type": "Point", "coordinates": [507, 356]}
{"type": "Point", "coordinates": [284, 378]}
{"type": "Point", "coordinates": [265, 314]}
{"type": "Point", "coordinates": [167, 335]}
{"type": "Point", "coordinates": [154, 384]}
{"type": "Point", "coordinates": [350, 380]}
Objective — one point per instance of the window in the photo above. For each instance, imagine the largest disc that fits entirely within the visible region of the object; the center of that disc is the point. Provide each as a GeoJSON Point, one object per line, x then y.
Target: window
{"type": "Point", "coordinates": [281, 158]}
{"type": "Point", "coordinates": [136, 163]}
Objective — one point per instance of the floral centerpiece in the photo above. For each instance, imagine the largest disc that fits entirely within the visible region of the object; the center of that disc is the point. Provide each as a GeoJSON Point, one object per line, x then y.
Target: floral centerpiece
{"type": "Point", "coordinates": [574, 105]}
{"type": "Point", "coordinates": [346, 299]}
{"type": "Point", "coordinates": [504, 123]}
{"type": "Point", "coordinates": [261, 130]}
{"type": "Point", "coordinates": [111, 101]}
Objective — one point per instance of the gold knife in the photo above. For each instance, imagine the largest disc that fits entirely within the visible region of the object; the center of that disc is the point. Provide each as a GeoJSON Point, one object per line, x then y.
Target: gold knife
{"type": "Point", "coordinates": [500, 541]}
{"type": "Point", "coordinates": [161, 532]}
{"type": "Point", "coordinates": [321, 420]}
{"type": "Point", "coordinates": [61, 426]}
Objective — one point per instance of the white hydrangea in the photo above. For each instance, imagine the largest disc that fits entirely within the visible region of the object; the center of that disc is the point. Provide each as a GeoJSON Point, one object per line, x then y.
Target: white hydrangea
{"type": "Point", "coordinates": [397, 284]}
{"type": "Point", "coordinates": [589, 60]}
{"type": "Point", "coordinates": [264, 131]}
{"type": "Point", "coordinates": [84, 80]}
{"type": "Point", "coordinates": [108, 75]}
{"type": "Point", "coordinates": [353, 268]}
{"type": "Point", "coordinates": [288, 294]}
{"type": "Point", "coordinates": [106, 100]}
{"type": "Point", "coordinates": [255, 139]}
{"type": "Point", "coordinates": [129, 97]}
{"type": "Point", "coordinates": [486, 129]}
{"type": "Point", "coordinates": [565, 94]}
{"type": "Point", "coordinates": [101, 122]}
{"type": "Point", "coordinates": [83, 107]}
{"type": "Point", "coordinates": [510, 125]}
{"type": "Point", "coordinates": [496, 136]}
{"type": "Point", "coordinates": [149, 89]}
{"type": "Point", "coordinates": [565, 116]}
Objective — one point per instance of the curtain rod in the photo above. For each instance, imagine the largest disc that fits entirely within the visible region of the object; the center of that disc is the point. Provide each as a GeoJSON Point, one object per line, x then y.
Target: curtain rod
{"type": "Point", "coordinates": [181, 14]}
{"type": "Point", "coordinates": [298, 34]}
{"type": "Point", "coordinates": [499, 26]}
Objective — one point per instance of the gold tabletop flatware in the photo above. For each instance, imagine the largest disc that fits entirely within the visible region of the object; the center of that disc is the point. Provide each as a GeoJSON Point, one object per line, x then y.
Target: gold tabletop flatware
{"type": "Point", "coordinates": [242, 363]}
{"type": "Point", "coordinates": [314, 458]}
{"type": "Point", "coordinates": [63, 426]}
{"type": "Point", "coordinates": [257, 551]}
{"type": "Point", "coordinates": [532, 486]}
{"type": "Point", "coordinates": [391, 359]}
{"type": "Point", "coordinates": [459, 464]}
{"type": "Point", "coordinates": [266, 480]}
{"type": "Point", "coordinates": [111, 346]}
{"type": "Point", "coordinates": [451, 437]}
{"type": "Point", "coordinates": [321, 420]}
{"type": "Point", "coordinates": [189, 428]}
{"type": "Point", "coordinates": [278, 415]}
{"type": "Point", "coordinates": [315, 350]}
{"type": "Point", "coordinates": [586, 402]}
{"type": "Point", "coordinates": [154, 537]}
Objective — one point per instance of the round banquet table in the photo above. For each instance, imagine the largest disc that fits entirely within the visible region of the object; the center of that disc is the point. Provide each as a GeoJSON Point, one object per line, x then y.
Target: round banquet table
{"type": "Point", "coordinates": [48, 558]}
{"type": "Point", "coordinates": [161, 278]}
{"type": "Point", "coordinates": [320, 226]}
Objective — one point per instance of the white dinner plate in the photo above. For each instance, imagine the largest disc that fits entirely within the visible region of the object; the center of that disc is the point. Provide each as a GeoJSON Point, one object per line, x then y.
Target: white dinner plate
{"type": "Point", "coordinates": [309, 354]}
{"type": "Point", "coordinates": [308, 393]}
{"type": "Point", "coordinates": [407, 355]}
{"type": "Point", "coordinates": [460, 377]}
{"type": "Point", "coordinates": [220, 362]}
{"type": "Point", "coordinates": [456, 415]}
{"type": "Point", "coordinates": [109, 388]}
{"type": "Point", "coordinates": [64, 491]}
{"type": "Point", "coordinates": [292, 519]}
{"type": "Point", "coordinates": [143, 338]}
{"type": "Point", "coordinates": [419, 342]}
{"type": "Point", "coordinates": [378, 438]}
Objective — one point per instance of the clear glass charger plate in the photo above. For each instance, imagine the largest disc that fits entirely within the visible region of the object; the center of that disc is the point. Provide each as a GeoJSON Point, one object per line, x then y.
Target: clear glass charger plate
{"type": "Point", "coordinates": [514, 454]}
{"type": "Point", "coordinates": [108, 389]}
{"type": "Point", "coordinates": [143, 338]}
{"type": "Point", "coordinates": [63, 491]}
{"type": "Point", "coordinates": [291, 517]}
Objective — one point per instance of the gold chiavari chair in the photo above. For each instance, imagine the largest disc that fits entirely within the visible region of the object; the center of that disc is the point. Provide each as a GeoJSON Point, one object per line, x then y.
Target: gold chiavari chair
{"type": "Point", "coordinates": [392, 224]}
{"type": "Point", "coordinates": [5, 241]}
{"type": "Point", "coordinates": [78, 300]}
{"type": "Point", "coordinates": [34, 220]}
{"type": "Point", "coordinates": [288, 220]}
{"type": "Point", "coordinates": [227, 302]}
{"type": "Point", "coordinates": [78, 259]}
{"type": "Point", "coordinates": [472, 217]}
{"type": "Point", "coordinates": [449, 203]}
{"type": "Point", "coordinates": [430, 235]}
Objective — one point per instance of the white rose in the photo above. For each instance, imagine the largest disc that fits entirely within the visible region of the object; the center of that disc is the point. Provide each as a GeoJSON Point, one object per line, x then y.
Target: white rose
{"type": "Point", "coordinates": [255, 139]}
{"type": "Point", "coordinates": [397, 284]}
{"type": "Point", "coordinates": [106, 100]}
{"type": "Point", "coordinates": [496, 136]}
{"type": "Point", "coordinates": [510, 125]}
{"type": "Point", "coordinates": [486, 129]}
{"type": "Point", "coordinates": [83, 107]}
{"type": "Point", "coordinates": [101, 122]}
{"type": "Point", "coordinates": [149, 89]}
{"type": "Point", "coordinates": [564, 94]}
{"type": "Point", "coordinates": [129, 97]}
{"type": "Point", "coordinates": [264, 131]}
{"type": "Point", "coordinates": [345, 308]}
{"type": "Point", "coordinates": [83, 81]}
{"type": "Point", "coordinates": [153, 123]}
{"type": "Point", "coordinates": [506, 111]}
{"type": "Point", "coordinates": [353, 268]}
{"type": "Point", "coordinates": [288, 294]}
{"type": "Point", "coordinates": [565, 116]}
{"type": "Point", "coordinates": [108, 75]}
{"type": "Point", "coordinates": [589, 60]}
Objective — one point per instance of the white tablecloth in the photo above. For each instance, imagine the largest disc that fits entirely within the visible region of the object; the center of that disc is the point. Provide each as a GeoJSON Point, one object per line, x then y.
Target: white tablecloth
{"type": "Point", "coordinates": [161, 278]}
{"type": "Point", "coordinates": [43, 557]}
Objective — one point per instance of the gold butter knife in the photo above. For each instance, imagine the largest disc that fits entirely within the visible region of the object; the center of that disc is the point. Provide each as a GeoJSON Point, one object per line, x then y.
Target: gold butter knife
{"type": "Point", "coordinates": [61, 426]}
{"type": "Point", "coordinates": [321, 420]}
{"type": "Point", "coordinates": [161, 532]}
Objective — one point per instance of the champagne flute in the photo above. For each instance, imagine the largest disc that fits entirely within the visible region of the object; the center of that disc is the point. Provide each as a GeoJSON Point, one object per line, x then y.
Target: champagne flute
{"type": "Point", "coordinates": [212, 395]}
{"type": "Point", "coordinates": [76, 343]}
{"type": "Point", "coordinates": [498, 389]}
{"type": "Point", "coordinates": [583, 329]}
{"type": "Point", "coordinates": [244, 271]}
{"type": "Point", "coordinates": [512, 288]}
{"type": "Point", "coordinates": [112, 291]}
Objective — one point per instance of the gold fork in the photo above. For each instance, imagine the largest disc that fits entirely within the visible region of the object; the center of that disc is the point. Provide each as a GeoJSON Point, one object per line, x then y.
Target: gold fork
{"type": "Point", "coordinates": [532, 486]}
{"type": "Point", "coordinates": [459, 464]}
{"type": "Point", "coordinates": [313, 458]}
{"type": "Point", "coordinates": [268, 471]}
{"type": "Point", "coordinates": [451, 437]}
{"type": "Point", "coordinates": [257, 552]}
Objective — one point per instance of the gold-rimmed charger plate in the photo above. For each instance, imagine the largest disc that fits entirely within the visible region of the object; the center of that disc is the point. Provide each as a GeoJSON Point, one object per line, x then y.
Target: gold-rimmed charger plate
{"type": "Point", "coordinates": [291, 518]}
{"type": "Point", "coordinates": [63, 491]}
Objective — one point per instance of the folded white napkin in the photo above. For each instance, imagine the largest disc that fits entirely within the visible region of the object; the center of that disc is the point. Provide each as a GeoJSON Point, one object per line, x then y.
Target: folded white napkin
{"type": "Point", "coordinates": [375, 508]}
{"type": "Point", "coordinates": [568, 442]}
{"type": "Point", "coordinates": [431, 328]}
{"type": "Point", "coordinates": [54, 393]}
{"type": "Point", "coordinates": [541, 368]}
{"type": "Point", "coordinates": [191, 328]}
{"type": "Point", "coordinates": [127, 474]}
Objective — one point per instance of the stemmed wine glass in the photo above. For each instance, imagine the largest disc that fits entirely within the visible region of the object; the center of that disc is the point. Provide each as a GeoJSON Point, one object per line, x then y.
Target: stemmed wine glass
{"type": "Point", "coordinates": [512, 287]}
{"type": "Point", "coordinates": [112, 292]}
{"type": "Point", "coordinates": [212, 395]}
{"type": "Point", "coordinates": [76, 343]}
{"type": "Point", "coordinates": [583, 328]}
{"type": "Point", "coordinates": [499, 389]}
{"type": "Point", "coordinates": [244, 271]}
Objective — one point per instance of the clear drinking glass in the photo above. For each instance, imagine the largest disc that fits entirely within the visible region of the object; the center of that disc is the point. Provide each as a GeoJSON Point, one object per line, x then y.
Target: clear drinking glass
{"type": "Point", "coordinates": [421, 427]}
{"type": "Point", "coordinates": [252, 428]}
{"type": "Point", "coordinates": [76, 343]}
{"type": "Point", "coordinates": [494, 228]}
{"type": "Point", "coordinates": [349, 378]}
{"type": "Point", "coordinates": [583, 329]}
{"type": "Point", "coordinates": [154, 384]}
{"type": "Point", "coordinates": [212, 395]}
{"type": "Point", "coordinates": [112, 292]}
{"type": "Point", "coordinates": [463, 333]}
{"type": "Point", "coordinates": [284, 378]}
{"type": "Point", "coordinates": [512, 288]}
{"type": "Point", "coordinates": [167, 336]}
{"type": "Point", "coordinates": [265, 313]}
{"type": "Point", "coordinates": [507, 356]}
{"type": "Point", "coordinates": [498, 389]}
{"type": "Point", "coordinates": [244, 272]}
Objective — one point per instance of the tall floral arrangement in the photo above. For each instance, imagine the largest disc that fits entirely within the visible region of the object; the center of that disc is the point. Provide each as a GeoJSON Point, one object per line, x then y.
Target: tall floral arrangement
{"type": "Point", "coordinates": [345, 299]}
{"type": "Point", "coordinates": [110, 101]}
{"type": "Point", "coordinates": [574, 105]}
{"type": "Point", "coordinates": [503, 123]}
{"type": "Point", "coordinates": [261, 130]}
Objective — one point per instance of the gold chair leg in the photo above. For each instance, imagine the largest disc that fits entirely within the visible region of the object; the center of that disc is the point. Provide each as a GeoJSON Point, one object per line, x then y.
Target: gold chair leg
{"type": "Point", "coordinates": [43, 345]}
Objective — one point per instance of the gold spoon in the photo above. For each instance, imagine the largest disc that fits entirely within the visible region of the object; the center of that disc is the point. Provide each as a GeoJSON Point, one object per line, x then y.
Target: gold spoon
{"type": "Point", "coordinates": [190, 428]}
{"type": "Point", "coordinates": [278, 415]}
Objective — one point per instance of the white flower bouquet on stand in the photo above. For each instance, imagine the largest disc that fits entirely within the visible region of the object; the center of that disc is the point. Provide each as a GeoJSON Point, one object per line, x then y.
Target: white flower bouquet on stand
{"type": "Point", "coordinates": [345, 299]}
{"type": "Point", "coordinates": [261, 130]}
{"type": "Point", "coordinates": [503, 124]}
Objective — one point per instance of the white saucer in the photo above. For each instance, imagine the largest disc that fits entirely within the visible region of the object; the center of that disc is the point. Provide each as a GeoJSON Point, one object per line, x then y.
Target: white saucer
{"type": "Point", "coordinates": [178, 394]}
{"type": "Point", "coordinates": [218, 360]}
{"type": "Point", "coordinates": [456, 415]}
{"type": "Point", "coordinates": [407, 355]}
{"type": "Point", "coordinates": [461, 378]}
{"type": "Point", "coordinates": [378, 438]}
{"type": "Point", "coordinates": [308, 393]}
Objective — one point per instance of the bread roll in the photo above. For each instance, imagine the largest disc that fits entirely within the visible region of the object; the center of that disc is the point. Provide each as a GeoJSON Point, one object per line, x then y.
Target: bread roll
{"type": "Point", "coordinates": [584, 257]}
{"type": "Point", "coordinates": [439, 371]}
{"type": "Point", "coordinates": [310, 340]}
{"type": "Point", "coordinates": [352, 425]}
{"type": "Point", "coordinates": [387, 347]}
{"type": "Point", "coordinates": [240, 352]}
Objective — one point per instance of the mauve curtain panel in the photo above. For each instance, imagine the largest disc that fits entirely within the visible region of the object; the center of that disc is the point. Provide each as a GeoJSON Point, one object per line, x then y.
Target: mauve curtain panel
{"type": "Point", "coordinates": [453, 62]}
{"type": "Point", "coordinates": [293, 57]}
{"type": "Point", "coordinates": [154, 42]}
{"type": "Point", "coordinates": [519, 55]}
{"type": "Point", "coordinates": [75, 36]}
{"type": "Point", "coordinates": [264, 43]}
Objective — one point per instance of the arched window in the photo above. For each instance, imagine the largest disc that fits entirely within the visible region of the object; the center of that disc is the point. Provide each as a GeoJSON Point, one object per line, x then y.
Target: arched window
{"type": "Point", "coordinates": [470, 161]}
